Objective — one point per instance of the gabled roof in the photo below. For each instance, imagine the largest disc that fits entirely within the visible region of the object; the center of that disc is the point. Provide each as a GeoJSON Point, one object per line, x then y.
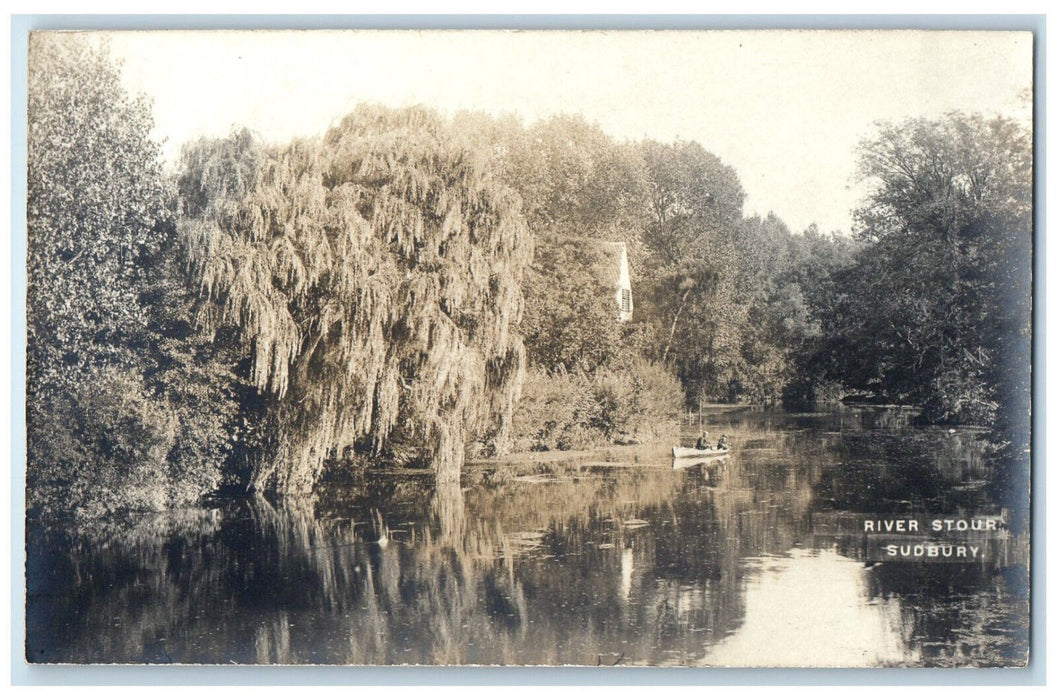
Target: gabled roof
{"type": "Point", "coordinates": [611, 253]}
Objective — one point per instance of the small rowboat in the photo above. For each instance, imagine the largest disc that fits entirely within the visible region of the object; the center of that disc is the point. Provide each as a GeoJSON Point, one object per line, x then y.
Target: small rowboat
{"type": "Point", "coordinates": [689, 453]}
{"type": "Point", "coordinates": [684, 458]}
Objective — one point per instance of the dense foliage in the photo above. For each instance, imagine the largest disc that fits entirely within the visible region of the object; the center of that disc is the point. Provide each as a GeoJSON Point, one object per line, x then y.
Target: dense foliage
{"type": "Point", "coordinates": [723, 302]}
{"type": "Point", "coordinates": [382, 292]}
{"type": "Point", "coordinates": [375, 279]}
{"type": "Point", "coordinates": [936, 309]}
{"type": "Point", "coordinates": [125, 407]}
{"type": "Point", "coordinates": [578, 188]}
{"type": "Point", "coordinates": [577, 410]}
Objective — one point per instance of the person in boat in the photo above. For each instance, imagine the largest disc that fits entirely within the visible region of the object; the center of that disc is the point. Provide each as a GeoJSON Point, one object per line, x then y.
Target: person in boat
{"type": "Point", "coordinates": [703, 443]}
{"type": "Point", "coordinates": [724, 442]}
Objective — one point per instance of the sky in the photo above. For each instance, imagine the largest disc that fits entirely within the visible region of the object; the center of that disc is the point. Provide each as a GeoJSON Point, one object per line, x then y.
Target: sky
{"type": "Point", "coordinates": [785, 109]}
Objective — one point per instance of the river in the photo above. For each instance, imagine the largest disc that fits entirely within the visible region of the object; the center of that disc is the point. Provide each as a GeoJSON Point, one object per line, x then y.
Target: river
{"type": "Point", "coordinates": [610, 558]}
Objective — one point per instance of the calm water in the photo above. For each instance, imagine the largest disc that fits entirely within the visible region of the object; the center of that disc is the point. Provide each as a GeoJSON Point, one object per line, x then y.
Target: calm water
{"type": "Point", "coordinates": [609, 559]}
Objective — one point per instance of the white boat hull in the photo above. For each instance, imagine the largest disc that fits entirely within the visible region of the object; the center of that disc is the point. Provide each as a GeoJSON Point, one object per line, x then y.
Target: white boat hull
{"type": "Point", "coordinates": [689, 453]}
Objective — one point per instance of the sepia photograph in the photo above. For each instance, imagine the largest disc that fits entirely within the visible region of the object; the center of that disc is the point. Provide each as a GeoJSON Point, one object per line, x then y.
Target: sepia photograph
{"type": "Point", "coordinates": [664, 348]}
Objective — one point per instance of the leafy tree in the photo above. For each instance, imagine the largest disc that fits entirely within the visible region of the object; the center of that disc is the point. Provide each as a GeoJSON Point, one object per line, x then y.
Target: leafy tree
{"type": "Point", "coordinates": [375, 279]}
{"type": "Point", "coordinates": [786, 280]}
{"type": "Point", "coordinates": [124, 409]}
{"type": "Point", "coordinates": [96, 208]}
{"type": "Point", "coordinates": [576, 181]}
{"type": "Point", "coordinates": [690, 289]}
{"type": "Point", "coordinates": [936, 309]}
{"type": "Point", "coordinates": [577, 186]}
{"type": "Point", "coordinates": [694, 200]}
{"type": "Point", "coordinates": [571, 321]}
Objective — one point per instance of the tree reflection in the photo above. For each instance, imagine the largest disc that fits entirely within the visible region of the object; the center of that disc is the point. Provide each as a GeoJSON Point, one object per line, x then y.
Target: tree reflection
{"type": "Point", "coordinates": [590, 565]}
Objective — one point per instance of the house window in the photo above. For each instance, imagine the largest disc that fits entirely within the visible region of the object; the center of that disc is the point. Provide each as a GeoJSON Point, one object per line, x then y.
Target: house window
{"type": "Point", "coordinates": [625, 300]}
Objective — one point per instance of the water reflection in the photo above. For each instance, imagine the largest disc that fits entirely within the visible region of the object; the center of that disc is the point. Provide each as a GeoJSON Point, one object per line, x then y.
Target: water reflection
{"type": "Point", "coordinates": [812, 609]}
{"type": "Point", "coordinates": [612, 559]}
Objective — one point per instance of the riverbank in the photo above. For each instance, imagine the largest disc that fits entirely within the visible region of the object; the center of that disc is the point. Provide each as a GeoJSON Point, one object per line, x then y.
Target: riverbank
{"type": "Point", "coordinates": [610, 453]}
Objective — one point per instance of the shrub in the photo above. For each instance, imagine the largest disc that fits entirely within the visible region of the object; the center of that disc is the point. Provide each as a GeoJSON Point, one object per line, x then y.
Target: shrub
{"type": "Point", "coordinates": [639, 403]}
{"type": "Point", "coordinates": [576, 410]}
{"type": "Point", "coordinates": [111, 452]}
{"type": "Point", "coordinates": [554, 412]}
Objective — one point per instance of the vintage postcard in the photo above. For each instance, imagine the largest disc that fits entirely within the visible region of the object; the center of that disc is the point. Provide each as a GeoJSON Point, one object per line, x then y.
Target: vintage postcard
{"type": "Point", "coordinates": [561, 348]}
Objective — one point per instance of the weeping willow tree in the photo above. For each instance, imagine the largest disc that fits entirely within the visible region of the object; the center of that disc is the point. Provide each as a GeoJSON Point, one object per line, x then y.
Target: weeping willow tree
{"type": "Point", "coordinates": [375, 281]}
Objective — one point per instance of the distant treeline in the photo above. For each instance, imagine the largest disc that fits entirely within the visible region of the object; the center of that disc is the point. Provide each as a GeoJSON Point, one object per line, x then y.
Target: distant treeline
{"type": "Point", "coordinates": [420, 289]}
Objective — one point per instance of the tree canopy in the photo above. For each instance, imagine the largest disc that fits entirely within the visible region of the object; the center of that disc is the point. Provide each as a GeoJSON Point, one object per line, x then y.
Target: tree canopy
{"type": "Point", "coordinates": [375, 278]}
{"type": "Point", "coordinates": [936, 309]}
{"type": "Point", "coordinates": [383, 290]}
{"type": "Point", "coordinates": [97, 205]}
{"type": "Point", "coordinates": [126, 408]}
